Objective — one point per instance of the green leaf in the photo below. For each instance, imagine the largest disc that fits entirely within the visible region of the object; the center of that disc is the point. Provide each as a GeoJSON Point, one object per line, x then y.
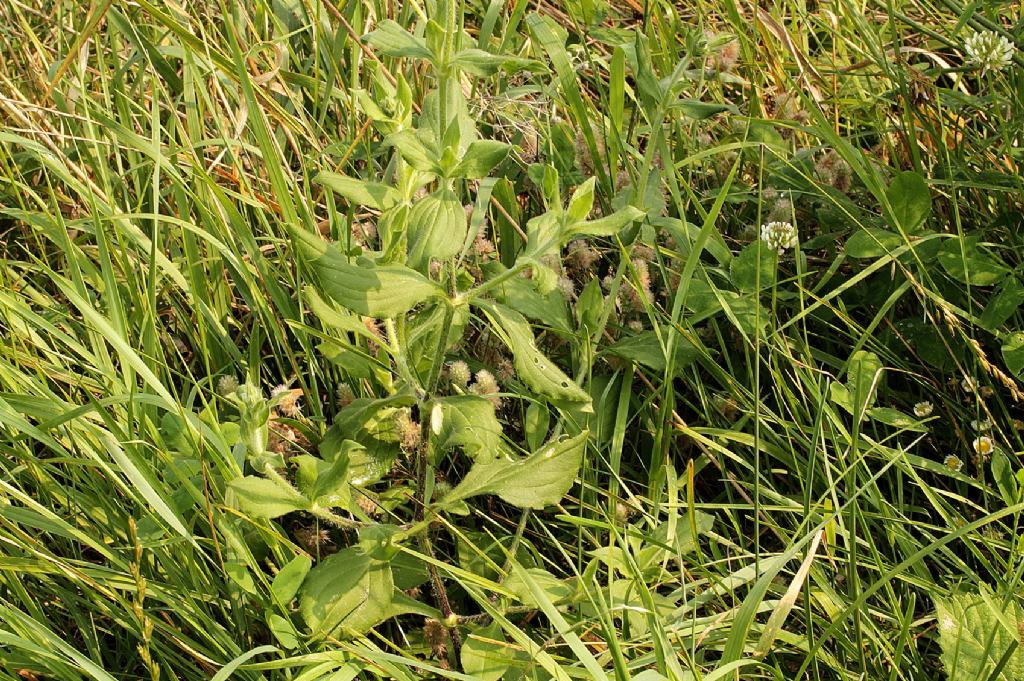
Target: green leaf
{"type": "Point", "coordinates": [645, 348]}
{"type": "Point", "coordinates": [1013, 352]}
{"type": "Point", "coordinates": [1005, 477]}
{"type": "Point", "coordinates": [698, 110]}
{"type": "Point", "coordinates": [287, 582]}
{"type": "Point", "coordinates": [347, 593]}
{"type": "Point", "coordinates": [532, 366]}
{"type": "Point", "coordinates": [522, 295]}
{"type": "Point", "coordinates": [897, 419]}
{"type": "Point", "coordinates": [609, 225]}
{"type": "Point", "coordinates": [910, 199]}
{"type": "Point", "coordinates": [862, 378]}
{"type": "Point", "coordinates": [237, 571]}
{"type": "Point", "coordinates": [754, 268]}
{"type": "Point", "coordinates": [536, 423]}
{"type": "Point", "coordinates": [366, 288]}
{"type": "Point", "coordinates": [480, 159]}
{"type": "Point", "coordinates": [582, 201]}
{"type": "Point", "coordinates": [481, 63]}
{"type": "Point", "coordinates": [975, 634]}
{"type": "Point", "coordinates": [437, 228]}
{"type": "Point", "coordinates": [394, 41]}
{"type": "Point", "coordinates": [360, 192]}
{"type": "Point", "coordinates": [872, 242]}
{"type": "Point", "coordinates": [336, 318]}
{"type": "Point", "coordinates": [485, 655]}
{"type": "Point", "coordinates": [283, 630]}
{"type": "Point", "coordinates": [838, 393]}
{"type": "Point", "coordinates": [415, 151]}
{"type": "Point", "coordinates": [556, 590]}
{"type": "Point", "coordinates": [468, 421]}
{"type": "Point", "coordinates": [681, 541]}
{"type": "Point", "coordinates": [265, 498]}
{"type": "Point", "coordinates": [966, 262]}
{"type": "Point", "coordinates": [330, 488]}
{"type": "Point", "coordinates": [1006, 301]}
{"type": "Point", "coordinates": [536, 481]}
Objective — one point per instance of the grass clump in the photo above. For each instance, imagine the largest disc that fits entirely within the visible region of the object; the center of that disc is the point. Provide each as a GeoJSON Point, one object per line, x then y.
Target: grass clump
{"type": "Point", "coordinates": [461, 340]}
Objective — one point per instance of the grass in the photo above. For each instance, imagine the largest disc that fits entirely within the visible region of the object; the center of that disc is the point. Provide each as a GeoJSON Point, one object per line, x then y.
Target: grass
{"type": "Point", "coordinates": [760, 494]}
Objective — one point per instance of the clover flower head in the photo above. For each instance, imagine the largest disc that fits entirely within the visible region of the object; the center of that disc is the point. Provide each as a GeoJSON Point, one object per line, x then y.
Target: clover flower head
{"type": "Point", "coordinates": [345, 395]}
{"type": "Point", "coordinates": [779, 236]}
{"type": "Point", "coordinates": [983, 445]}
{"type": "Point", "coordinates": [969, 384]}
{"type": "Point", "coordinates": [459, 373]}
{"type": "Point", "coordinates": [988, 51]}
{"type": "Point", "coordinates": [922, 409]}
{"type": "Point", "coordinates": [227, 384]}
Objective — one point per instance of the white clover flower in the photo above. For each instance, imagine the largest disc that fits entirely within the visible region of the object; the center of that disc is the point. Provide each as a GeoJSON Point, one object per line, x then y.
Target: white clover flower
{"type": "Point", "coordinates": [989, 51]}
{"type": "Point", "coordinates": [970, 385]}
{"type": "Point", "coordinates": [922, 409]}
{"type": "Point", "coordinates": [982, 425]}
{"type": "Point", "coordinates": [953, 462]}
{"type": "Point", "coordinates": [779, 236]}
{"type": "Point", "coordinates": [983, 445]}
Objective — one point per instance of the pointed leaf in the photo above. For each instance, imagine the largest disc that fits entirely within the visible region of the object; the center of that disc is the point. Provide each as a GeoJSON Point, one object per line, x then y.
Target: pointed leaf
{"type": "Point", "coordinates": [480, 159]}
{"type": "Point", "coordinates": [394, 41]}
{"type": "Point", "coordinates": [366, 288]}
{"type": "Point", "coordinates": [287, 582]}
{"type": "Point", "coordinates": [536, 481]}
{"type": "Point", "coordinates": [607, 226]}
{"type": "Point", "coordinates": [360, 192]}
{"type": "Point", "coordinates": [531, 365]}
{"type": "Point", "coordinates": [265, 498]}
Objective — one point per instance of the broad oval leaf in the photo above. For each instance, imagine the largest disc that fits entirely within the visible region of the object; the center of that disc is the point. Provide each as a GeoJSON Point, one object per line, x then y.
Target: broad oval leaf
{"type": "Point", "coordinates": [872, 242]}
{"type": "Point", "coordinates": [754, 268]}
{"type": "Point", "coordinates": [468, 421]}
{"type": "Point", "coordinates": [287, 582]}
{"type": "Point", "coordinates": [966, 262]}
{"type": "Point", "coordinates": [910, 199]}
{"type": "Point", "coordinates": [485, 655]}
{"type": "Point", "coordinates": [1013, 352]}
{"type": "Point", "coordinates": [347, 593]}
{"type": "Point", "coordinates": [976, 634]}
{"type": "Point", "coordinates": [437, 228]}
{"type": "Point", "coordinates": [480, 159]}
{"type": "Point", "coordinates": [862, 378]}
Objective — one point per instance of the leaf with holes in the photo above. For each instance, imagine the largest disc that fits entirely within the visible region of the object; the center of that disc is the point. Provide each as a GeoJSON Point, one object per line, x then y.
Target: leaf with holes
{"type": "Point", "coordinates": [532, 366]}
